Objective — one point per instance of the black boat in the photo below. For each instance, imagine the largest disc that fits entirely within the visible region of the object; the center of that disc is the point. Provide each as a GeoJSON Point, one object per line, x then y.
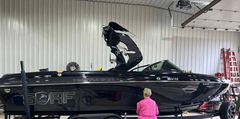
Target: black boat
{"type": "Point", "coordinates": [114, 91]}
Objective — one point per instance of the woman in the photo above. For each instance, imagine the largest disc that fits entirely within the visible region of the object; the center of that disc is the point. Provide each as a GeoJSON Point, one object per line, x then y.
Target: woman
{"type": "Point", "coordinates": [147, 108]}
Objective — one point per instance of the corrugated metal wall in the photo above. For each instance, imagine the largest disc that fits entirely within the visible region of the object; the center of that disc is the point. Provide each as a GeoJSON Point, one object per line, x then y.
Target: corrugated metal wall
{"type": "Point", "coordinates": [51, 33]}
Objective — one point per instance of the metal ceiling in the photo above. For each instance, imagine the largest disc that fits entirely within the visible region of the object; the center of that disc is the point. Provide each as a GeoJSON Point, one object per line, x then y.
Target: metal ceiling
{"type": "Point", "coordinates": [225, 15]}
{"type": "Point", "coordinates": [162, 4]}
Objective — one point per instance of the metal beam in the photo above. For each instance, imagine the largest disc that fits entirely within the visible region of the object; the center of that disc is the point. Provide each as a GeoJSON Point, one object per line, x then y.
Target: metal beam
{"type": "Point", "coordinates": [200, 12]}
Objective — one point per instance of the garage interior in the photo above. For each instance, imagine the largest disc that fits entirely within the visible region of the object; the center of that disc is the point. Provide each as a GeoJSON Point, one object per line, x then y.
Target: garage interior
{"type": "Point", "coordinates": [49, 34]}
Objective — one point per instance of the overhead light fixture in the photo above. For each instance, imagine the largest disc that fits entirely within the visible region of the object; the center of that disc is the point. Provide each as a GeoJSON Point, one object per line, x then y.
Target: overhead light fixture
{"type": "Point", "coordinates": [184, 4]}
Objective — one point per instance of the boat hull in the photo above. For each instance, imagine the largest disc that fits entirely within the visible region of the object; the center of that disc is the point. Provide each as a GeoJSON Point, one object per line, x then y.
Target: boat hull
{"type": "Point", "coordinates": [117, 97]}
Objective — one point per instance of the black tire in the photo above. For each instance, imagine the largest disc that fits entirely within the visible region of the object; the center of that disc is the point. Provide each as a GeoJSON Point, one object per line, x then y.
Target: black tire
{"type": "Point", "coordinates": [113, 117]}
{"type": "Point", "coordinates": [76, 117]}
{"type": "Point", "coordinates": [227, 110]}
{"type": "Point", "coordinates": [72, 66]}
{"type": "Point", "coordinates": [95, 117]}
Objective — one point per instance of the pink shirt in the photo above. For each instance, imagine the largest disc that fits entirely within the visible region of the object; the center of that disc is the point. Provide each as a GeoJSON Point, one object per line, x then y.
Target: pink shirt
{"type": "Point", "coordinates": [147, 109]}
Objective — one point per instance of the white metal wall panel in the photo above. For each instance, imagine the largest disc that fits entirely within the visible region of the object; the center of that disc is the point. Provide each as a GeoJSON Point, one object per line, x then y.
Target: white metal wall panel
{"type": "Point", "coordinates": [51, 33]}
{"type": "Point", "coordinates": [1, 38]}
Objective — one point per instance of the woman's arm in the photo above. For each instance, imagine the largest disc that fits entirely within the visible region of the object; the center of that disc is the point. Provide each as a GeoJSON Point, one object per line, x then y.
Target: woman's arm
{"type": "Point", "coordinates": [138, 108]}
{"type": "Point", "coordinates": [157, 111]}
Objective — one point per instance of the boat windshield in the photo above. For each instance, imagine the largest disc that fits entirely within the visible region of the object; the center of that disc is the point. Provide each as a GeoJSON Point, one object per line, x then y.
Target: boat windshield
{"type": "Point", "coordinates": [163, 66]}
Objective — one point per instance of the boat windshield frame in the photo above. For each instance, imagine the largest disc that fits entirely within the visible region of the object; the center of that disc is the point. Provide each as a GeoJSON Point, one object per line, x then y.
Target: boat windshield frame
{"type": "Point", "coordinates": [161, 66]}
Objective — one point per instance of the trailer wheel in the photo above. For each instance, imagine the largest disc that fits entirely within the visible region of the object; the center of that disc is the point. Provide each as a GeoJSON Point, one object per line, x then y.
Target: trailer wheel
{"type": "Point", "coordinates": [113, 117]}
{"type": "Point", "coordinates": [96, 116]}
{"type": "Point", "coordinates": [227, 110]}
{"type": "Point", "coordinates": [76, 117]}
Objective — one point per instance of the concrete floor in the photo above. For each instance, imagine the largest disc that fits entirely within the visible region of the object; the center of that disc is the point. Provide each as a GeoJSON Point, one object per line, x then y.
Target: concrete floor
{"type": "Point", "coordinates": [186, 115]}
